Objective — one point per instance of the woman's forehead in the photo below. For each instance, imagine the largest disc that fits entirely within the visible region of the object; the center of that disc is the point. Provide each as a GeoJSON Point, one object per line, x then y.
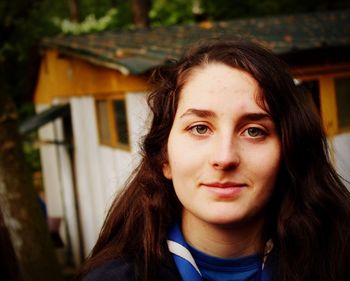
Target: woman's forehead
{"type": "Point", "coordinates": [218, 86]}
{"type": "Point", "coordinates": [217, 76]}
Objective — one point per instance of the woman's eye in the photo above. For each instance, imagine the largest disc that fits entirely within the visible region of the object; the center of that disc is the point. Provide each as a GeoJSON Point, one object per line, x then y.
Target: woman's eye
{"type": "Point", "coordinates": [254, 132]}
{"type": "Point", "coordinates": [200, 129]}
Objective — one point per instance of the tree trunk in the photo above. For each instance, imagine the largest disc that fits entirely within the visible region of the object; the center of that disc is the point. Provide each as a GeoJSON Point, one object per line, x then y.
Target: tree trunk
{"type": "Point", "coordinates": [74, 10]}
{"type": "Point", "coordinates": [19, 206]}
{"type": "Point", "coordinates": [9, 268]}
{"type": "Point", "coordinates": [140, 10]}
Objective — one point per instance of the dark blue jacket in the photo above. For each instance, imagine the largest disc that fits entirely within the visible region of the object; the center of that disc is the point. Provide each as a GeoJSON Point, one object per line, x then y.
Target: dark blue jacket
{"type": "Point", "coordinates": [116, 270]}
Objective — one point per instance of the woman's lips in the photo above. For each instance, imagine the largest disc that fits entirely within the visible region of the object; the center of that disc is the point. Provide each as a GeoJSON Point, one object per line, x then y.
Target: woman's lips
{"type": "Point", "coordinates": [225, 189]}
{"type": "Point", "coordinates": [224, 184]}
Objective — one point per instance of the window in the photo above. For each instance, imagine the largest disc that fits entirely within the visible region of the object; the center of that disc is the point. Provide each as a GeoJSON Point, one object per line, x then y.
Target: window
{"type": "Point", "coordinates": [342, 91]}
{"type": "Point", "coordinates": [112, 122]}
{"type": "Point", "coordinates": [103, 126]}
{"type": "Point", "coordinates": [329, 95]}
{"type": "Point", "coordinates": [121, 125]}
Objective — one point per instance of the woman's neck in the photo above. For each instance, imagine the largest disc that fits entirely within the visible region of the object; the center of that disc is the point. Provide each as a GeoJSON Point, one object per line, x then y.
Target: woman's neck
{"type": "Point", "coordinates": [224, 241]}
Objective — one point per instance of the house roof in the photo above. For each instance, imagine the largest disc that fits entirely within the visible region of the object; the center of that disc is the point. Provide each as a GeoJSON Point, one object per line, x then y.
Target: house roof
{"type": "Point", "coordinates": [139, 50]}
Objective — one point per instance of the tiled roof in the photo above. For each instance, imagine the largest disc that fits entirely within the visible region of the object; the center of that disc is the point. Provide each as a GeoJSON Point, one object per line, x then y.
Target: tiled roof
{"type": "Point", "coordinates": [139, 50]}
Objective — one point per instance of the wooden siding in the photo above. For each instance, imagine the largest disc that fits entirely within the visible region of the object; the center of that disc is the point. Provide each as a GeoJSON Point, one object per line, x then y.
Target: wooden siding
{"type": "Point", "coordinates": [67, 76]}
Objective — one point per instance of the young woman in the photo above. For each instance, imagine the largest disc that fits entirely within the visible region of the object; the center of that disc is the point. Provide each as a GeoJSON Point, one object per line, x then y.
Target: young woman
{"type": "Point", "coordinates": [235, 182]}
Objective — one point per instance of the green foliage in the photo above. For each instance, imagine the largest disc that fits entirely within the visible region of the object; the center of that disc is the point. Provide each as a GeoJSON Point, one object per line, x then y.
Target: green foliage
{"type": "Point", "coordinates": [32, 155]}
{"type": "Point", "coordinates": [89, 24]}
{"type": "Point", "coordinates": [96, 16]}
{"type": "Point", "coordinates": [165, 12]}
{"type": "Point", "coordinates": [100, 7]}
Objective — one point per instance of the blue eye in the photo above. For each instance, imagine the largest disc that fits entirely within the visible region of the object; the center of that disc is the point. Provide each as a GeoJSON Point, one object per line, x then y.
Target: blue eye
{"type": "Point", "coordinates": [199, 129]}
{"type": "Point", "coordinates": [255, 132]}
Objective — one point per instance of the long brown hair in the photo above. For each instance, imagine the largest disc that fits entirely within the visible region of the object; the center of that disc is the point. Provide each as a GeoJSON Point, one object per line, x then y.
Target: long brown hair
{"type": "Point", "coordinates": [309, 213]}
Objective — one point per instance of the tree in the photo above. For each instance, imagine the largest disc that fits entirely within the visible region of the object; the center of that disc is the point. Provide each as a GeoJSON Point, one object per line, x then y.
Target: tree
{"type": "Point", "coordinates": [74, 10]}
{"type": "Point", "coordinates": [9, 268]}
{"type": "Point", "coordinates": [19, 204]}
{"type": "Point", "coordinates": [22, 220]}
{"type": "Point", "coordinates": [141, 10]}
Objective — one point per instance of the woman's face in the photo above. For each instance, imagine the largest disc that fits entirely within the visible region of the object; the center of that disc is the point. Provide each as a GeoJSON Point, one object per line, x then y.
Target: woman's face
{"type": "Point", "coordinates": [223, 149]}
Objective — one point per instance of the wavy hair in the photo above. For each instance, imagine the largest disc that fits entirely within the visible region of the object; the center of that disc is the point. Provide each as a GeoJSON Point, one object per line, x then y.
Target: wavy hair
{"type": "Point", "coordinates": [308, 215]}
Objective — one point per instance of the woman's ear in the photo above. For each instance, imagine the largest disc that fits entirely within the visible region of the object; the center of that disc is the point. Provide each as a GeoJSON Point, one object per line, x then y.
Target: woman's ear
{"type": "Point", "coordinates": [167, 171]}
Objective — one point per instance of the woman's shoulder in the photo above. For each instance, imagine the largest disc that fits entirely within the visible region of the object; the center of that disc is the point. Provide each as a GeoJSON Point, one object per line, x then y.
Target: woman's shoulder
{"type": "Point", "coordinates": [113, 270]}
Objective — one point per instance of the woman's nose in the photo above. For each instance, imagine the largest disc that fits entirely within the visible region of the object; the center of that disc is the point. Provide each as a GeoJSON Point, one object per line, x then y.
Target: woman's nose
{"type": "Point", "coordinates": [225, 153]}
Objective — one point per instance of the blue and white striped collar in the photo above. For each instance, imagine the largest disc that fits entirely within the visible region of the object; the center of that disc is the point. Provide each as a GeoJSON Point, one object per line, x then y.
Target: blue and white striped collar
{"type": "Point", "coordinates": [185, 262]}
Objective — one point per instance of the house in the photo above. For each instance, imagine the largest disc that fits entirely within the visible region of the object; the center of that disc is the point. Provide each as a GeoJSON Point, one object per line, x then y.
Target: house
{"type": "Point", "coordinates": [91, 96]}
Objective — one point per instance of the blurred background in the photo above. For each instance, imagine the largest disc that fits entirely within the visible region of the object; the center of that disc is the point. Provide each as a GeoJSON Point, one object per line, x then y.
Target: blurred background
{"type": "Point", "coordinates": [73, 88]}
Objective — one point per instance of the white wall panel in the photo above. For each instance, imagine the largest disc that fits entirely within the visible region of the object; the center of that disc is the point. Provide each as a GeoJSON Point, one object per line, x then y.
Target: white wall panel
{"type": "Point", "coordinates": [70, 218]}
{"type": "Point", "coordinates": [87, 161]}
{"type": "Point", "coordinates": [341, 146]}
{"type": "Point", "coordinates": [49, 163]}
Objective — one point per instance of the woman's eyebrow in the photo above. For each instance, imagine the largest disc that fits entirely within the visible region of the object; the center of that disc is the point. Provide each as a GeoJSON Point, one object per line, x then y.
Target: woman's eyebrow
{"type": "Point", "coordinates": [255, 117]}
{"type": "Point", "coordinates": [203, 113]}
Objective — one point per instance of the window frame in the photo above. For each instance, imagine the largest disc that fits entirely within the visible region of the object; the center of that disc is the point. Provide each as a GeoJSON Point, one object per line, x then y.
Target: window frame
{"type": "Point", "coordinates": [328, 100]}
{"type": "Point", "coordinates": [112, 125]}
